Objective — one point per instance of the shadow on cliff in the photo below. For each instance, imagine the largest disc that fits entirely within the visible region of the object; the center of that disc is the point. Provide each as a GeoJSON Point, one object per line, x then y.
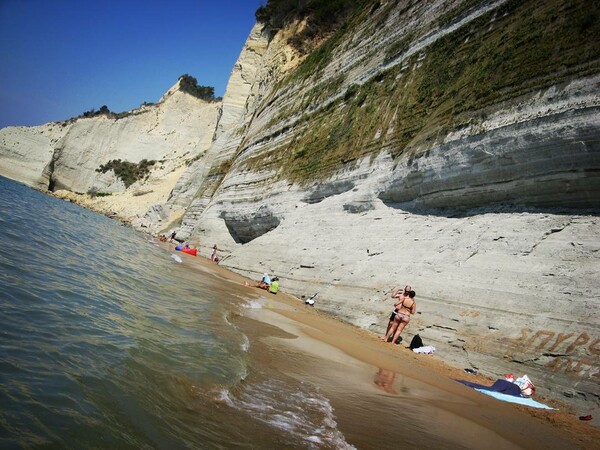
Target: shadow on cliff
{"type": "Point", "coordinates": [244, 228]}
{"type": "Point", "coordinates": [491, 209]}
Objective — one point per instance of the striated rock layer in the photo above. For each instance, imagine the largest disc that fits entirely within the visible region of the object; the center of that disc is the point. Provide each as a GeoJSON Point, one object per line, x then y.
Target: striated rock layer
{"type": "Point", "coordinates": [452, 145]}
{"type": "Point", "coordinates": [394, 160]}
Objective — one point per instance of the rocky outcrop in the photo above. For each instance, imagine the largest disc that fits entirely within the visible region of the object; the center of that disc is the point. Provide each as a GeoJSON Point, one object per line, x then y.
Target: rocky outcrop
{"type": "Point", "coordinates": [26, 152]}
{"type": "Point", "coordinates": [244, 93]}
{"type": "Point", "coordinates": [452, 145]}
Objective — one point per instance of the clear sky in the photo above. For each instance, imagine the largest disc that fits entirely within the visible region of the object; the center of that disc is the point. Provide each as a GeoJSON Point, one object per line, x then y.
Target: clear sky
{"type": "Point", "coordinates": [59, 58]}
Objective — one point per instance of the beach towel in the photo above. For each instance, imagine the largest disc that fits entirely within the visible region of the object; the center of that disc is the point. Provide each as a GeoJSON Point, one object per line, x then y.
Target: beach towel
{"type": "Point", "coordinates": [501, 386]}
{"type": "Point", "coordinates": [426, 350]}
{"type": "Point", "coordinates": [505, 391]}
{"type": "Point", "coordinates": [513, 399]}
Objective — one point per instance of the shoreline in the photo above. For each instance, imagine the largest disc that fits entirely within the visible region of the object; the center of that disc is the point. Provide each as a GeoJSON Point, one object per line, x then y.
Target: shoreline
{"type": "Point", "coordinates": [368, 349]}
{"type": "Point", "coordinates": [515, 423]}
{"type": "Point", "coordinates": [483, 331]}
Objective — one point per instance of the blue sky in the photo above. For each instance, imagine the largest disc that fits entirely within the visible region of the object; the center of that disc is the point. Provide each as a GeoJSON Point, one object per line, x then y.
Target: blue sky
{"type": "Point", "coordinates": [59, 58]}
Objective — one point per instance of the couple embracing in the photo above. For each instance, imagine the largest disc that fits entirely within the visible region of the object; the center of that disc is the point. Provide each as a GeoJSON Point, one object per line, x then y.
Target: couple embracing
{"type": "Point", "coordinates": [404, 308]}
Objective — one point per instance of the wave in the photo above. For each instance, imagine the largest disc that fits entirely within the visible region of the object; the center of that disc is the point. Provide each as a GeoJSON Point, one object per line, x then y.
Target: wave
{"type": "Point", "coordinates": [299, 410]}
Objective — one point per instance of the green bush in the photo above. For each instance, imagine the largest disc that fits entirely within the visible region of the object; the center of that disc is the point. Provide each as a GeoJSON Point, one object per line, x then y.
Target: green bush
{"type": "Point", "coordinates": [517, 49]}
{"type": "Point", "coordinates": [189, 84]}
{"type": "Point", "coordinates": [128, 172]}
{"type": "Point", "coordinates": [322, 18]}
{"type": "Point", "coordinates": [103, 111]}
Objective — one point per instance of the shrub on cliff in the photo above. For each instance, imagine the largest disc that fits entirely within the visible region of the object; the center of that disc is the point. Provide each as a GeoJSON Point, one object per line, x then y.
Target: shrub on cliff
{"type": "Point", "coordinates": [128, 172]}
{"type": "Point", "coordinates": [517, 49]}
{"type": "Point", "coordinates": [103, 111]}
{"type": "Point", "coordinates": [189, 84]}
{"type": "Point", "coordinates": [322, 18]}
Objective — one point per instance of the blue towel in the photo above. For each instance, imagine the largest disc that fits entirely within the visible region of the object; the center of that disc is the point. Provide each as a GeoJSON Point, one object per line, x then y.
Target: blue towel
{"type": "Point", "coordinates": [512, 399]}
{"type": "Point", "coordinates": [505, 391]}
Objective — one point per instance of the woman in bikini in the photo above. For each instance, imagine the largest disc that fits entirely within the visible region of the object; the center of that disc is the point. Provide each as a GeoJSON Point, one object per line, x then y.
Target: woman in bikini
{"type": "Point", "coordinates": [397, 293]}
{"type": "Point", "coordinates": [405, 308]}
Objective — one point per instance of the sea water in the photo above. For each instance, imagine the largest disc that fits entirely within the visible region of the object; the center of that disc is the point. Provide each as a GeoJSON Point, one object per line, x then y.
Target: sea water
{"type": "Point", "coordinates": [108, 341]}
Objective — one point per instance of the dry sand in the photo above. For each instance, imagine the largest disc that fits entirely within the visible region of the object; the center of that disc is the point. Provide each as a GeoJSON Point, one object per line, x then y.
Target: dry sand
{"type": "Point", "coordinates": [509, 425]}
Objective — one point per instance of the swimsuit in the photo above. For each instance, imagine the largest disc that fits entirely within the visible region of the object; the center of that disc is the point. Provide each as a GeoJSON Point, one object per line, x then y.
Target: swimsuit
{"type": "Point", "coordinates": [404, 317]}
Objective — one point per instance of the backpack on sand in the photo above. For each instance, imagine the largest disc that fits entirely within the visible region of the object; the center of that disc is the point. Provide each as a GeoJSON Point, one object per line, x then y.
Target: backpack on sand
{"type": "Point", "coordinates": [416, 342]}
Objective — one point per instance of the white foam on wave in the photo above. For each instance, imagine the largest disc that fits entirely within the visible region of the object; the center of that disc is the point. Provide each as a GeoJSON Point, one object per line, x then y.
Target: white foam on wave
{"type": "Point", "coordinates": [224, 396]}
{"type": "Point", "coordinates": [301, 411]}
{"type": "Point", "coordinates": [245, 345]}
{"type": "Point", "coordinates": [177, 258]}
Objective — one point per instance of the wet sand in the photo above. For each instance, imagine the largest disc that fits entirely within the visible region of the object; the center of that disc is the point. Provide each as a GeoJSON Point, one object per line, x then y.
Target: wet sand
{"type": "Point", "coordinates": [385, 395]}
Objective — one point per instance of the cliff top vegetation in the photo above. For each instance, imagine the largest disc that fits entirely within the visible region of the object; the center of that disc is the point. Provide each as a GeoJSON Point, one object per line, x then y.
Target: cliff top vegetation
{"type": "Point", "coordinates": [322, 18]}
{"type": "Point", "coordinates": [104, 111]}
{"type": "Point", "coordinates": [189, 85]}
{"type": "Point", "coordinates": [514, 50]}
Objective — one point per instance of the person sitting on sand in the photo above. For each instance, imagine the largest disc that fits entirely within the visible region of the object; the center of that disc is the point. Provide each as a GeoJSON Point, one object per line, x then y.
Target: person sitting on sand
{"type": "Point", "coordinates": [274, 287]}
{"type": "Point", "coordinates": [397, 293]}
{"type": "Point", "coordinates": [406, 307]}
{"type": "Point", "coordinates": [264, 283]}
{"type": "Point", "coordinates": [162, 238]}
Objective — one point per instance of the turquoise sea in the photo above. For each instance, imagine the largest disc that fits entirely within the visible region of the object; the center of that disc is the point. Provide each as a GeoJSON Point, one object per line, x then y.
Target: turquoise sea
{"type": "Point", "coordinates": [106, 341]}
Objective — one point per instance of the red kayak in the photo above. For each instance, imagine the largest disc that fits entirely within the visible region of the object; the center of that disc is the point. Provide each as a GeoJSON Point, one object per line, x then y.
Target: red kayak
{"type": "Point", "coordinates": [189, 251]}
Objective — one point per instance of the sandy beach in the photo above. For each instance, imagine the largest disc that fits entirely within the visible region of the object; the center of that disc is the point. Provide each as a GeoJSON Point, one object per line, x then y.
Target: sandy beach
{"type": "Point", "coordinates": [344, 359]}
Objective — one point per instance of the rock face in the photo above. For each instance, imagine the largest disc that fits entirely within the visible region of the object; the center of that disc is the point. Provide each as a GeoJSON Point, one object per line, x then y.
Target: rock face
{"type": "Point", "coordinates": [452, 145]}
{"type": "Point", "coordinates": [180, 126]}
{"type": "Point", "coordinates": [25, 152]}
{"type": "Point", "coordinates": [418, 148]}
{"type": "Point", "coordinates": [249, 80]}
{"type": "Point", "coordinates": [175, 132]}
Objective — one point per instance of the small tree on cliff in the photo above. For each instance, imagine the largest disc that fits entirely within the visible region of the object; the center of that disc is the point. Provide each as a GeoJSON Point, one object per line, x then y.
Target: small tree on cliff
{"type": "Point", "coordinates": [189, 84]}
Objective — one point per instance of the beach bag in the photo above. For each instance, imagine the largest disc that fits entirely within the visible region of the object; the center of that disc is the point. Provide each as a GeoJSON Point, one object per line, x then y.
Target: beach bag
{"type": "Point", "coordinates": [416, 342]}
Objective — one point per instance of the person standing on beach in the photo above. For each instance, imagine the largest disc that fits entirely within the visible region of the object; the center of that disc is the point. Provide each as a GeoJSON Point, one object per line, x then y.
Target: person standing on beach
{"type": "Point", "coordinates": [213, 255]}
{"type": "Point", "coordinates": [397, 293]}
{"type": "Point", "coordinates": [406, 308]}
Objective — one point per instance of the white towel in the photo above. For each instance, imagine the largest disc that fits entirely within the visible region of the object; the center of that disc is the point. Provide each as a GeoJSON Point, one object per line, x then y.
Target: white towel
{"type": "Point", "coordinates": [425, 350]}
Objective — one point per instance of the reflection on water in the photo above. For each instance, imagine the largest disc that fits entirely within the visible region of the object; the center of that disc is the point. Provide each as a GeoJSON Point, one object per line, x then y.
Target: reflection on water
{"type": "Point", "coordinates": [384, 380]}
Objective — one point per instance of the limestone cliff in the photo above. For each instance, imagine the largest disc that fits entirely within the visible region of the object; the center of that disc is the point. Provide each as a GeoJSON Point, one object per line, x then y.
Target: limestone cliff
{"type": "Point", "coordinates": [67, 156]}
{"type": "Point", "coordinates": [450, 144]}
{"type": "Point", "coordinates": [25, 152]}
